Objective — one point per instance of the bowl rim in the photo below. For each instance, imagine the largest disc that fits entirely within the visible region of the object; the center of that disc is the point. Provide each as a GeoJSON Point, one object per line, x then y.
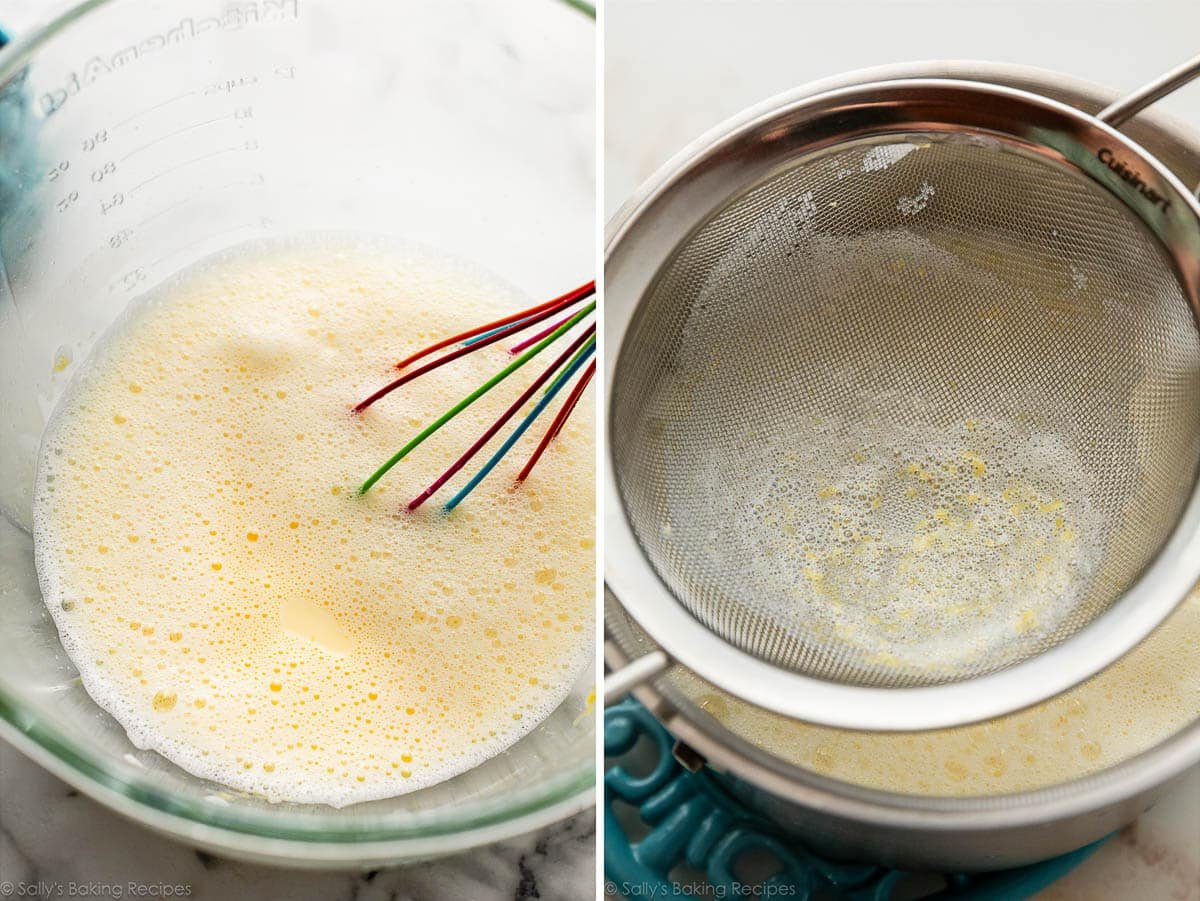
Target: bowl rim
{"type": "Point", "coordinates": [258, 835]}
{"type": "Point", "coordinates": [354, 852]}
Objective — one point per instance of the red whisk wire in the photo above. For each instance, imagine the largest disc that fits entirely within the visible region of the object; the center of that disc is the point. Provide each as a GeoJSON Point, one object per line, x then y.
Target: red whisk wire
{"type": "Point", "coordinates": [559, 421]}
{"type": "Point", "coordinates": [528, 320]}
{"type": "Point", "coordinates": [570, 297]}
{"type": "Point", "coordinates": [533, 339]}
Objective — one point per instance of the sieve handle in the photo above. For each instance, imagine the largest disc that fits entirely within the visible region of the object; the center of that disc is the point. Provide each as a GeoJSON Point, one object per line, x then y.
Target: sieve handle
{"type": "Point", "coordinates": [1121, 111]}
{"type": "Point", "coordinates": [619, 683]}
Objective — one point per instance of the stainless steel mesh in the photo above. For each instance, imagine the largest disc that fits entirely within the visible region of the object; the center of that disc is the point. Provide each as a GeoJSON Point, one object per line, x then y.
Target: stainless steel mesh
{"type": "Point", "coordinates": [910, 412]}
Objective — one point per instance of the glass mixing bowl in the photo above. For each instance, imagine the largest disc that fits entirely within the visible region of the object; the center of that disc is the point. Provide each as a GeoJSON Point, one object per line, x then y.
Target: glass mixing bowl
{"type": "Point", "coordinates": [137, 136]}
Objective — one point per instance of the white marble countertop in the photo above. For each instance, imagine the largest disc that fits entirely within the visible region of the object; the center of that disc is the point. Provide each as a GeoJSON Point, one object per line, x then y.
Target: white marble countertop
{"type": "Point", "coordinates": [675, 68]}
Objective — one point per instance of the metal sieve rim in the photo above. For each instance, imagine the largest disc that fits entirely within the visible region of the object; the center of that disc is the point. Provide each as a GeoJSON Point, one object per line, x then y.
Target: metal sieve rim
{"type": "Point", "coordinates": [735, 157]}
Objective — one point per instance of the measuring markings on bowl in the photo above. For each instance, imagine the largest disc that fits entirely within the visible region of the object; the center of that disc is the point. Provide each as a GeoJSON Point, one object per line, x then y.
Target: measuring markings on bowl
{"type": "Point", "coordinates": [151, 168]}
{"type": "Point", "coordinates": [151, 109]}
{"type": "Point", "coordinates": [242, 112]}
{"type": "Point", "coordinates": [99, 66]}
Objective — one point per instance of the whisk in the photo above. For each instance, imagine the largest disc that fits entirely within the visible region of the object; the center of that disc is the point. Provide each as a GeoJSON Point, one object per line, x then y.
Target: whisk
{"type": "Point", "coordinates": [575, 314]}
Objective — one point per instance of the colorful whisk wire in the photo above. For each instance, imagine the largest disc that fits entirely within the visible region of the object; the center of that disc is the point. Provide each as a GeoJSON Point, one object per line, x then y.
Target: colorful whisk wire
{"type": "Point", "coordinates": [569, 311]}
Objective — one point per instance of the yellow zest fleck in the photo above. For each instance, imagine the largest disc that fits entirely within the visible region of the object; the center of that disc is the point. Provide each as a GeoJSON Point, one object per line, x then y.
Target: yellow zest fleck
{"type": "Point", "coordinates": [956, 770]}
{"type": "Point", "coordinates": [977, 465]}
{"type": "Point", "coordinates": [1027, 622]}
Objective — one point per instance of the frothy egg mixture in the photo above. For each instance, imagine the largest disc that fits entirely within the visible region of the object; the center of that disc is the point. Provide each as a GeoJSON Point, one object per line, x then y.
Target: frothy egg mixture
{"type": "Point", "coordinates": [1147, 696]}
{"type": "Point", "coordinates": [226, 593]}
{"type": "Point", "coordinates": [918, 549]}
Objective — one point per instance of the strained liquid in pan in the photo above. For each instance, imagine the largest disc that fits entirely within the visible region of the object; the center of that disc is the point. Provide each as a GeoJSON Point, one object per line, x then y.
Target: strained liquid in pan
{"type": "Point", "coordinates": [1136, 704]}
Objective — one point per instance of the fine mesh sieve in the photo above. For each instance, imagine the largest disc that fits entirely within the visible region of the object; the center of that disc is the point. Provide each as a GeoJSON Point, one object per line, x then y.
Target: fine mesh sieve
{"type": "Point", "coordinates": [904, 413]}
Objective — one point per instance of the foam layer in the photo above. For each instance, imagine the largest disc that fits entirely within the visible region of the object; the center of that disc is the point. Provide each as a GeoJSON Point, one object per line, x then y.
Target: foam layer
{"type": "Point", "coordinates": [1140, 701]}
{"type": "Point", "coordinates": [225, 592]}
{"type": "Point", "coordinates": [926, 550]}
